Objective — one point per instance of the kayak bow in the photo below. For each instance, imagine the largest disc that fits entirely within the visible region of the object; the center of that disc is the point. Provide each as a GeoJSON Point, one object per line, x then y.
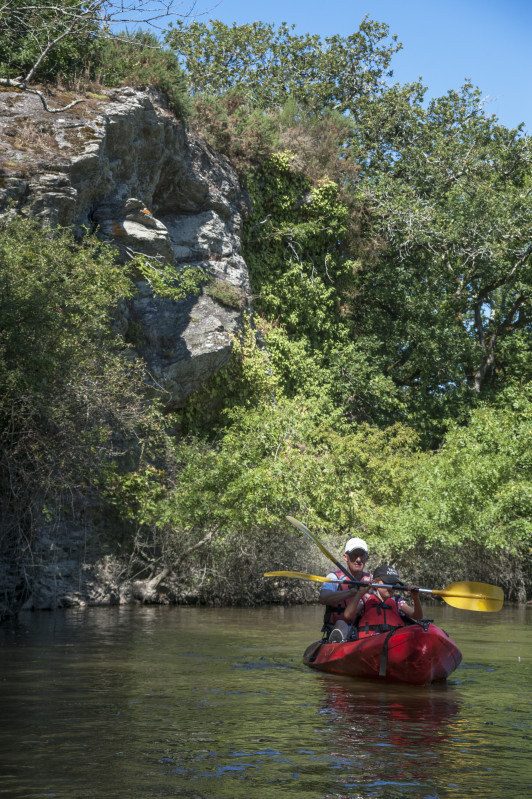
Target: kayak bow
{"type": "Point", "coordinates": [417, 654]}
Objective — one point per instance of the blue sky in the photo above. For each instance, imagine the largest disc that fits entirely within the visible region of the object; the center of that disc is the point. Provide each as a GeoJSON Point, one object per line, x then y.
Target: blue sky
{"type": "Point", "coordinates": [444, 41]}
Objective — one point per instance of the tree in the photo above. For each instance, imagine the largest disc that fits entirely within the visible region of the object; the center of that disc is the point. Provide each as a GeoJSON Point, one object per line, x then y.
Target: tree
{"type": "Point", "coordinates": [449, 202]}
{"type": "Point", "coordinates": [39, 40]}
{"type": "Point", "coordinates": [267, 65]}
{"type": "Point", "coordinates": [74, 405]}
{"type": "Point", "coordinates": [473, 496]}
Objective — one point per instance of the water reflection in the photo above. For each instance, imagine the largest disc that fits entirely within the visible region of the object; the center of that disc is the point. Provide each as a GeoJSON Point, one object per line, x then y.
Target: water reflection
{"type": "Point", "coordinates": [386, 735]}
{"type": "Point", "coordinates": [215, 703]}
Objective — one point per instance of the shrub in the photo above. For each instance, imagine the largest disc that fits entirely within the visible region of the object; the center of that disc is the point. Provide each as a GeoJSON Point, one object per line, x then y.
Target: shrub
{"type": "Point", "coordinates": [138, 59]}
{"type": "Point", "coordinates": [226, 293]}
{"type": "Point", "coordinates": [72, 406]}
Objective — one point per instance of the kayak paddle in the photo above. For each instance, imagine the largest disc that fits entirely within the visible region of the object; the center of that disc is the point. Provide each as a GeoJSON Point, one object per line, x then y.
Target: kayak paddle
{"type": "Point", "coordinates": [304, 529]}
{"type": "Point", "coordinates": [464, 595]}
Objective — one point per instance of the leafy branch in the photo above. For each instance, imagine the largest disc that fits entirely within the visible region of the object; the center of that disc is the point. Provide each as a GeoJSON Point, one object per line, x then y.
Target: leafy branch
{"type": "Point", "coordinates": [37, 37]}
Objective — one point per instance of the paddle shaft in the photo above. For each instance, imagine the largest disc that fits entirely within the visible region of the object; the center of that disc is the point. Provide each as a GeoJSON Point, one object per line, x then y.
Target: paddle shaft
{"type": "Point", "coordinates": [436, 592]}
{"type": "Point", "coordinates": [396, 587]}
{"type": "Point", "coordinates": [399, 587]}
{"type": "Point", "coordinates": [458, 594]}
{"type": "Point", "coordinates": [304, 529]}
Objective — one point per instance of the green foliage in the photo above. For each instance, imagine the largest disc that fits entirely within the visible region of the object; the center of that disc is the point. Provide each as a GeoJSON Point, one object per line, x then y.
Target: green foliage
{"type": "Point", "coordinates": [292, 249]}
{"type": "Point", "coordinates": [138, 59]}
{"type": "Point", "coordinates": [301, 371]}
{"type": "Point", "coordinates": [137, 494]}
{"type": "Point", "coordinates": [246, 381]}
{"type": "Point", "coordinates": [478, 488]}
{"type": "Point", "coordinates": [26, 29]}
{"type": "Point", "coordinates": [168, 281]}
{"type": "Point", "coordinates": [226, 293]}
{"type": "Point", "coordinates": [362, 388]}
{"type": "Point", "coordinates": [236, 128]}
{"type": "Point", "coordinates": [279, 458]}
{"type": "Point", "coordinates": [55, 300]}
{"type": "Point", "coordinates": [266, 64]}
{"type": "Point", "coordinates": [452, 281]}
{"type": "Point", "coordinates": [73, 408]}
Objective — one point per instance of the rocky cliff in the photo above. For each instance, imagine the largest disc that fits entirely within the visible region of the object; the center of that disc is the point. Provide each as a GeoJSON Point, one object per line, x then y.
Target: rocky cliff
{"type": "Point", "coordinates": [123, 165]}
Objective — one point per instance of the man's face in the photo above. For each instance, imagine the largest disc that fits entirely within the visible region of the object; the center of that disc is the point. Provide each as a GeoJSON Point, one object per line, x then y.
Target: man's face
{"type": "Point", "coordinates": [356, 561]}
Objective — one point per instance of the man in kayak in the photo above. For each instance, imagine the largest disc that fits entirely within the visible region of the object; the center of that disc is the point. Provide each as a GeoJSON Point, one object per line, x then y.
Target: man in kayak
{"type": "Point", "coordinates": [369, 613]}
{"type": "Point", "coordinates": [336, 595]}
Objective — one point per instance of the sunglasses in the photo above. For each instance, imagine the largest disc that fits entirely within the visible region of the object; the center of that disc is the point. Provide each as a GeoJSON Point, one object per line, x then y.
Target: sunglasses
{"type": "Point", "coordinates": [357, 554]}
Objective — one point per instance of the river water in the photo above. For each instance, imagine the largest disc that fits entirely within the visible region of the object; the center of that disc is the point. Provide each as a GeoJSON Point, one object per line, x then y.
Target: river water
{"type": "Point", "coordinates": [202, 703]}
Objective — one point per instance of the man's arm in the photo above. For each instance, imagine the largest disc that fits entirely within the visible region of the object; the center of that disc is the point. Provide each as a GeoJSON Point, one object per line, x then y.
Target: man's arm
{"type": "Point", "coordinates": [354, 605]}
{"type": "Point", "coordinates": [328, 597]}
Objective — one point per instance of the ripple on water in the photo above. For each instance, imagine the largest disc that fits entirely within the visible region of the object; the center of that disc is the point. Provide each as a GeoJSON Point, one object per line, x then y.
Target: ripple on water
{"type": "Point", "coordinates": [111, 704]}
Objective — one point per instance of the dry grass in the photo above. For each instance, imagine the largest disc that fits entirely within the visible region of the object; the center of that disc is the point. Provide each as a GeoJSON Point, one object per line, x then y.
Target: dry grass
{"type": "Point", "coordinates": [91, 94]}
{"type": "Point", "coordinates": [36, 135]}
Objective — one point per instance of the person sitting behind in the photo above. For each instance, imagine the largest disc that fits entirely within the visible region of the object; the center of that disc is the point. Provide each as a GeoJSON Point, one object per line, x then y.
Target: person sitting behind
{"type": "Point", "coordinates": [336, 595]}
{"type": "Point", "coordinates": [379, 610]}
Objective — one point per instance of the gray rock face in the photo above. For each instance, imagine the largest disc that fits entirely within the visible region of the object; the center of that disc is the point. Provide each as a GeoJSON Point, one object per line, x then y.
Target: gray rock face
{"type": "Point", "coordinates": [122, 165]}
{"type": "Point", "coordinates": [128, 169]}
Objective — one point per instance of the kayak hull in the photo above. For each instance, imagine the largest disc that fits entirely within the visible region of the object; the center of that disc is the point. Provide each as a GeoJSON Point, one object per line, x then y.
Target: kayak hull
{"type": "Point", "coordinates": [413, 655]}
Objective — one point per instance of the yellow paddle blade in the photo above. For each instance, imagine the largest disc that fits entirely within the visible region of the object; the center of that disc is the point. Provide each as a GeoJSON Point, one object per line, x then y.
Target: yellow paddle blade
{"type": "Point", "coordinates": [304, 529]}
{"type": "Point", "coordinates": [465, 595]}
{"type": "Point", "coordinates": [481, 597]}
{"type": "Point", "coordinates": [302, 576]}
{"type": "Point", "coordinates": [473, 596]}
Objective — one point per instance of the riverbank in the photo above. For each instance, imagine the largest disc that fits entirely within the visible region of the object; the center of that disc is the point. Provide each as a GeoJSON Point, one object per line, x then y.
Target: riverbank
{"type": "Point", "coordinates": [68, 569]}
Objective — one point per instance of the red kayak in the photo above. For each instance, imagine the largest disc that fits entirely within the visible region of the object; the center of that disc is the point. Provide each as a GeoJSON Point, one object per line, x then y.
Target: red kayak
{"type": "Point", "coordinates": [416, 654]}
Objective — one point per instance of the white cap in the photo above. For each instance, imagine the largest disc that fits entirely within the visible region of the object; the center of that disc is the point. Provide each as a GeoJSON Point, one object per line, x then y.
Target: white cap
{"type": "Point", "coordinates": [356, 543]}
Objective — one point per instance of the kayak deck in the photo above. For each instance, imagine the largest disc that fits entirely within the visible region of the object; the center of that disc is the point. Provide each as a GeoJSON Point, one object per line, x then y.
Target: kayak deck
{"type": "Point", "coordinates": [416, 654]}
